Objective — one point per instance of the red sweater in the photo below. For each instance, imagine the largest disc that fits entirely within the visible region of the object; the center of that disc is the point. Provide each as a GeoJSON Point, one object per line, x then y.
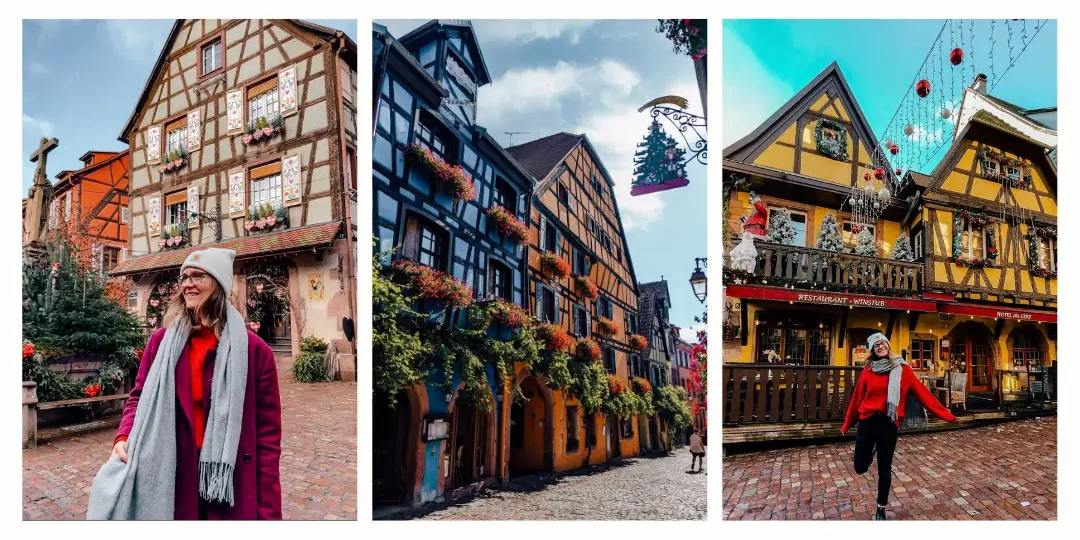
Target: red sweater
{"type": "Point", "coordinates": [872, 396]}
{"type": "Point", "coordinates": [201, 341]}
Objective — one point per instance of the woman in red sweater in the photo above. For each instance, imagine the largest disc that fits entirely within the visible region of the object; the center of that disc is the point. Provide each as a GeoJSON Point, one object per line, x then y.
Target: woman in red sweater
{"type": "Point", "coordinates": [881, 406]}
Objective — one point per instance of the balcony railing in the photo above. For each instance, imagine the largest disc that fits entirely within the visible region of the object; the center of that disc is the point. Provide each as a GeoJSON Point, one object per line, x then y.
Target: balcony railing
{"type": "Point", "coordinates": [803, 267]}
{"type": "Point", "coordinates": [757, 393]}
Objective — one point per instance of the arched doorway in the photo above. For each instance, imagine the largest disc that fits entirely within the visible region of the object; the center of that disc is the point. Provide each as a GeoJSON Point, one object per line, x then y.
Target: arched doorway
{"type": "Point", "coordinates": [269, 302]}
{"type": "Point", "coordinates": [528, 421]}
{"type": "Point", "coordinates": [390, 463]}
{"type": "Point", "coordinates": [971, 349]}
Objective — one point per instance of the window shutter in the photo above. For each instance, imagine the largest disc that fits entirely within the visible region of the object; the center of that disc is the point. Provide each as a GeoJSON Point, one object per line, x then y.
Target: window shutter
{"type": "Point", "coordinates": [67, 206]}
{"type": "Point", "coordinates": [153, 143]}
{"type": "Point", "coordinates": [153, 213]}
{"type": "Point", "coordinates": [290, 180]}
{"type": "Point", "coordinates": [539, 299]}
{"type": "Point", "coordinates": [54, 209]}
{"type": "Point", "coordinates": [237, 194]}
{"type": "Point", "coordinates": [558, 243]}
{"type": "Point", "coordinates": [588, 323]}
{"type": "Point", "coordinates": [571, 200]}
{"type": "Point", "coordinates": [287, 103]}
{"type": "Point", "coordinates": [193, 205]}
{"type": "Point", "coordinates": [543, 233]}
{"type": "Point", "coordinates": [234, 106]}
{"type": "Point", "coordinates": [558, 308]}
{"type": "Point", "coordinates": [410, 247]}
{"type": "Point", "coordinates": [194, 130]}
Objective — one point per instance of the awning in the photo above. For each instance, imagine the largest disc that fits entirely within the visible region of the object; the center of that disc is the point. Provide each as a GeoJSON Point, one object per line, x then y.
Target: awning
{"type": "Point", "coordinates": [247, 247]}
{"type": "Point", "coordinates": [995, 312]}
{"type": "Point", "coordinates": [752, 292]}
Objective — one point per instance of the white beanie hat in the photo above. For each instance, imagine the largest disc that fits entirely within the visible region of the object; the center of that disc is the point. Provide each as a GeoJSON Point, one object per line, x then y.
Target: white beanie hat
{"type": "Point", "coordinates": [876, 337]}
{"type": "Point", "coordinates": [214, 261]}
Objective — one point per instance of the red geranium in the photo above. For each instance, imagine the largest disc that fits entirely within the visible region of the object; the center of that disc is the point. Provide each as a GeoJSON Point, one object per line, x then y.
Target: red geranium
{"type": "Point", "coordinates": [507, 224]}
{"type": "Point", "coordinates": [638, 342]}
{"type": "Point", "coordinates": [27, 350]}
{"type": "Point", "coordinates": [615, 385]}
{"type": "Point", "coordinates": [586, 287]}
{"type": "Point", "coordinates": [588, 350]}
{"type": "Point", "coordinates": [553, 266]}
{"type": "Point", "coordinates": [554, 337]}
{"type": "Point", "coordinates": [138, 353]}
{"type": "Point", "coordinates": [92, 390]}
{"type": "Point", "coordinates": [607, 326]}
{"type": "Point", "coordinates": [452, 179]}
{"type": "Point", "coordinates": [509, 314]}
{"type": "Point", "coordinates": [431, 283]}
{"type": "Point", "coordinates": [641, 386]}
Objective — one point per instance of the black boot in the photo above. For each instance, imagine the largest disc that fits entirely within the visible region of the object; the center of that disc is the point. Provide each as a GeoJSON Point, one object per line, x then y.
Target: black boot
{"type": "Point", "coordinates": [880, 513]}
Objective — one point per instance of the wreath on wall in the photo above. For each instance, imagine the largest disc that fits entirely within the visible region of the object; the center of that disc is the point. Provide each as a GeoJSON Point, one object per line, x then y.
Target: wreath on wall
{"type": "Point", "coordinates": [978, 219]}
{"type": "Point", "coordinates": [836, 149]}
{"type": "Point", "coordinates": [1022, 180]}
{"type": "Point", "coordinates": [1033, 236]}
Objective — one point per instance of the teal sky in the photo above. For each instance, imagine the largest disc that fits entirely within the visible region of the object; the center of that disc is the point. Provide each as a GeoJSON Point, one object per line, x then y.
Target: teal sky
{"type": "Point", "coordinates": [81, 80]}
{"type": "Point", "coordinates": [590, 76]}
{"type": "Point", "coordinates": [765, 62]}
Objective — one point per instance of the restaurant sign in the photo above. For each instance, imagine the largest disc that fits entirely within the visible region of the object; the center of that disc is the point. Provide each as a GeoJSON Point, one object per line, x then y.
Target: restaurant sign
{"type": "Point", "coordinates": [841, 300]}
{"type": "Point", "coordinates": [753, 292]}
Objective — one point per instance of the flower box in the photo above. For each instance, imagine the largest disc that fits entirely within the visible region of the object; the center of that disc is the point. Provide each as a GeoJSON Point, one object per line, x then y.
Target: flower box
{"type": "Point", "coordinates": [615, 385]}
{"type": "Point", "coordinates": [553, 266]}
{"type": "Point", "coordinates": [554, 337]}
{"type": "Point", "coordinates": [607, 326]}
{"type": "Point", "coordinates": [263, 218]}
{"type": "Point", "coordinates": [586, 288]}
{"type": "Point", "coordinates": [588, 350]}
{"type": "Point", "coordinates": [451, 179]}
{"type": "Point", "coordinates": [638, 342]}
{"type": "Point", "coordinates": [508, 225]}
{"type": "Point", "coordinates": [509, 314]}
{"type": "Point", "coordinates": [432, 284]}
{"type": "Point", "coordinates": [262, 130]}
{"type": "Point", "coordinates": [641, 386]}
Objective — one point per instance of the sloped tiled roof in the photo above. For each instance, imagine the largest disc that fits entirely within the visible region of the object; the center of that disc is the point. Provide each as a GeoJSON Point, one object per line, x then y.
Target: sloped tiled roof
{"type": "Point", "coordinates": [247, 247]}
{"type": "Point", "coordinates": [541, 156]}
{"type": "Point", "coordinates": [1020, 111]}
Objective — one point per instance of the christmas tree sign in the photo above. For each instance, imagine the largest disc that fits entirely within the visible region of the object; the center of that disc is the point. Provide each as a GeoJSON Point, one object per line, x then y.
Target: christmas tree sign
{"type": "Point", "coordinates": [658, 163]}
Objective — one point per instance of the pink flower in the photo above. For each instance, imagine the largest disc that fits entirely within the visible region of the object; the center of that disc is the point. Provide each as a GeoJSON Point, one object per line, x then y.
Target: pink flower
{"type": "Point", "coordinates": [257, 135]}
{"type": "Point", "coordinates": [248, 225]}
{"type": "Point", "coordinates": [247, 139]}
{"type": "Point", "coordinates": [268, 131]}
{"type": "Point", "coordinates": [261, 223]}
{"type": "Point", "coordinates": [161, 243]}
{"type": "Point", "coordinates": [270, 221]}
{"type": "Point", "coordinates": [700, 54]}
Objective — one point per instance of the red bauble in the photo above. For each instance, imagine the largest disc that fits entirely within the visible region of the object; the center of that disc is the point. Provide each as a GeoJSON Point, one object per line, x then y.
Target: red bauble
{"type": "Point", "coordinates": [894, 149]}
{"type": "Point", "coordinates": [879, 173]}
{"type": "Point", "coordinates": [866, 177]}
{"type": "Point", "coordinates": [899, 172]}
{"type": "Point", "coordinates": [923, 88]}
{"type": "Point", "coordinates": [956, 56]}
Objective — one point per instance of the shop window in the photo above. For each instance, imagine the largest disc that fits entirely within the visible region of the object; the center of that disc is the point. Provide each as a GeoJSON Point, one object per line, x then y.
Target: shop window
{"type": "Point", "coordinates": [572, 442]}
{"type": "Point", "coordinates": [1026, 355]}
{"type": "Point", "coordinates": [922, 353]}
{"type": "Point", "coordinates": [793, 341]}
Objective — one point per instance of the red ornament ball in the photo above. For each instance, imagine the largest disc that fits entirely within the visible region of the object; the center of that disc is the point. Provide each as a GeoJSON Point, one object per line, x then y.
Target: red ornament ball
{"type": "Point", "coordinates": [894, 149]}
{"type": "Point", "coordinates": [956, 56]}
{"type": "Point", "coordinates": [866, 177]}
{"type": "Point", "coordinates": [879, 173]}
{"type": "Point", "coordinates": [899, 172]}
{"type": "Point", "coordinates": [923, 88]}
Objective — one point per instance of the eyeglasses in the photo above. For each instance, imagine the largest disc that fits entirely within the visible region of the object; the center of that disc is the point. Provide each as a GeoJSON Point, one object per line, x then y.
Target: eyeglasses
{"type": "Point", "coordinates": [195, 277]}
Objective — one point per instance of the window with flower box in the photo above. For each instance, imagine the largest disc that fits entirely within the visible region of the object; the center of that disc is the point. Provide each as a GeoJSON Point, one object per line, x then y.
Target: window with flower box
{"type": "Point", "coordinates": [263, 102]}
{"type": "Point", "coordinates": [175, 209]}
{"type": "Point", "coordinates": [582, 264]}
{"type": "Point", "coordinates": [582, 321]}
{"type": "Point", "coordinates": [506, 196]}
{"type": "Point", "coordinates": [609, 359]}
{"type": "Point", "coordinates": [425, 243]}
{"type": "Point", "coordinates": [603, 307]}
{"type": "Point", "coordinates": [176, 138]}
{"type": "Point", "coordinates": [501, 284]}
{"type": "Point", "coordinates": [974, 241]}
{"type": "Point", "coordinates": [265, 186]}
{"type": "Point", "coordinates": [547, 304]}
{"type": "Point", "coordinates": [394, 127]}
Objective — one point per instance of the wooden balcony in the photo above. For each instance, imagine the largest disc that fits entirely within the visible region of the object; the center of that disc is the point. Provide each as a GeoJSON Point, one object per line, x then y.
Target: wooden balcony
{"type": "Point", "coordinates": [765, 393]}
{"type": "Point", "coordinates": [802, 267]}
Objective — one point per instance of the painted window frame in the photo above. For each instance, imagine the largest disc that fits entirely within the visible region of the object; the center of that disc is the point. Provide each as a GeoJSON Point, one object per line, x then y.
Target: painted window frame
{"type": "Point", "coordinates": [389, 133]}
{"type": "Point", "coordinates": [215, 36]}
{"type": "Point", "coordinates": [172, 125]}
{"type": "Point", "coordinates": [501, 279]}
{"type": "Point", "coordinates": [423, 223]}
{"type": "Point", "coordinates": [260, 171]}
{"type": "Point", "coordinates": [793, 211]}
{"type": "Point", "coordinates": [266, 85]}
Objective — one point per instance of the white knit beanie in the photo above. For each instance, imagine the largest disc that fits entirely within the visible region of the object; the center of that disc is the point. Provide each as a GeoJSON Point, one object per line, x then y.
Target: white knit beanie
{"type": "Point", "coordinates": [214, 261]}
{"type": "Point", "coordinates": [873, 339]}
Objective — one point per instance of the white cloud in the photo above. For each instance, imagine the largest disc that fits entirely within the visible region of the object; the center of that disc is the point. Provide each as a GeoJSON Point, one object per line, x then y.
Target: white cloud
{"type": "Point", "coordinates": [689, 335]}
{"type": "Point", "coordinates": [43, 126]}
{"type": "Point", "coordinates": [540, 89]}
{"type": "Point", "coordinates": [926, 137]}
{"type": "Point", "coordinates": [37, 68]}
{"type": "Point", "coordinates": [521, 31]}
{"type": "Point", "coordinates": [135, 39]}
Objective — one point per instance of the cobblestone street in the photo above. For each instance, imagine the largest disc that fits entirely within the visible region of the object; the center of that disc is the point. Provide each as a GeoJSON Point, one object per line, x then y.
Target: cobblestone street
{"type": "Point", "coordinates": [636, 489]}
{"type": "Point", "coordinates": [1000, 472]}
{"type": "Point", "coordinates": [318, 459]}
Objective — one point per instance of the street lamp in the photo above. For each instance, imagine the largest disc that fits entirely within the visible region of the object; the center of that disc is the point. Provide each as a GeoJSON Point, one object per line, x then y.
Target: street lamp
{"type": "Point", "coordinates": [698, 281]}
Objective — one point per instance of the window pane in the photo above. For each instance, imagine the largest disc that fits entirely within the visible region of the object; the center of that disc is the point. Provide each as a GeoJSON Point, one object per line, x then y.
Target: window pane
{"type": "Point", "coordinates": [384, 115]}
{"type": "Point", "coordinates": [386, 87]}
{"type": "Point", "coordinates": [798, 221]}
{"type": "Point", "coordinates": [427, 53]}
{"type": "Point", "coordinates": [380, 151]}
{"type": "Point", "coordinates": [401, 127]}
{"type": "Point", "coordinates": [402, 97]}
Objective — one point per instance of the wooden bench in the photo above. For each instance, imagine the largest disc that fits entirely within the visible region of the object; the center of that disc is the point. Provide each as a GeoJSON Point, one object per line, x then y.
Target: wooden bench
{"type": "Point", "coordinates": [31, 406]}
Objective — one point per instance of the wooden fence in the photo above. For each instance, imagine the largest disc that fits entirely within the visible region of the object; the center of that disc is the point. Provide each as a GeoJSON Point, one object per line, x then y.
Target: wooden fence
{"type": "Point", "coordinates": [765, 393]}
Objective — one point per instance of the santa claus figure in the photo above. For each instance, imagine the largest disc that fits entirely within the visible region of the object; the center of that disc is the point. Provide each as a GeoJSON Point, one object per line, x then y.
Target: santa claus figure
{"type": "Point", "coordinates": [756, 222]}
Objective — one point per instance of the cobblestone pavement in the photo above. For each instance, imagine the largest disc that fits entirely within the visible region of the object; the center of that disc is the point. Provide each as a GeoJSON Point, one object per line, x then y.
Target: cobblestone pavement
{"type": "Point", "coordinates": [635, 489]}
{"type": "Point", "coordinates": [318, 458]}
{"type": "Point", "coordinates": [1000, 472]}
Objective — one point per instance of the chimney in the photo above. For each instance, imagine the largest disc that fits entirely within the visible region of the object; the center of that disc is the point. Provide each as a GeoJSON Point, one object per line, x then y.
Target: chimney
{"type": "Point", "coordinates": [979, 85]}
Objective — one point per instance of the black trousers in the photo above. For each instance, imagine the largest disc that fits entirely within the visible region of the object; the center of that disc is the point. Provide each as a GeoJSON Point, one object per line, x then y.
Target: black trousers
{"type": "Point", "coordinates": [876, 433]}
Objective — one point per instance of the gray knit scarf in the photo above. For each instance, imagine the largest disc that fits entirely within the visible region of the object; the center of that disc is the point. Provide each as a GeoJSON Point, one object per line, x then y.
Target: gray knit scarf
{"type": "Point", "coordinates": [136, 491]}
{"type": "Point", "coordinates": [914, 415]}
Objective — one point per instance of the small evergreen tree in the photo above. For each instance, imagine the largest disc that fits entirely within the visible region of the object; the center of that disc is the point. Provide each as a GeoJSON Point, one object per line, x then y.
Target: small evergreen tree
{"type": "Point", "coordinates": [866, 245]}
{"type": "Point", "coordinates": [829, 238]}
{"type": "Point", "coordinates": [781, 231]}
{"type": "Point", "coordinates": [902, 249]}
{"type": "Point", "coordinates": [652, 164]}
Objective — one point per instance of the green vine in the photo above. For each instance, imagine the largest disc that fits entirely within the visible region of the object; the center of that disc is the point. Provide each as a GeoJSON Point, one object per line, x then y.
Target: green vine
{"type": "Point", "coordinates": [834, 149]}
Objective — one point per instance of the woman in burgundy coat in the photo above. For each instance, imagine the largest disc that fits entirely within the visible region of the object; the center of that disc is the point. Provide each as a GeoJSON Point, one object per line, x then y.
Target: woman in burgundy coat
{"type": "Point", "coordinates": [205, 280]}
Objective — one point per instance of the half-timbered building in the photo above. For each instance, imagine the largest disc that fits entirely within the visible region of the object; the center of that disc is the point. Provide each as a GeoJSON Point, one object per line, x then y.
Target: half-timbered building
{"type": "Point", "coordinates": [244, 137]}
{"type": "Point", "coordinates": [575, 219]}
{"type": "Point", "coordinates": [978, 301]}
{"type": "Point", "coordinates": [424, 100]}
{"type": "Point", "coordinates": [653, 365]}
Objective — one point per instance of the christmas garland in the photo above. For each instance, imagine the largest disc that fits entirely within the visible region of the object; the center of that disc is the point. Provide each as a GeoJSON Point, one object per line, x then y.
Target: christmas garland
{"type": "Point", "coordinates": [836, 150]}
{"type": "Point", "coordinates": [740, 277]}
{"type": "Point", "coordinates": [986, 155]}
{"type": "Point", "coordinates": [1033, 236]}
{"type": "Point", "coordinates": [977, 219]}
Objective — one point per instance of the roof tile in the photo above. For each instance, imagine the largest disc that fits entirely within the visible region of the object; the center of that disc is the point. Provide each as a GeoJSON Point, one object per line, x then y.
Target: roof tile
{"type": "Point", "coordinates": [541, 156]}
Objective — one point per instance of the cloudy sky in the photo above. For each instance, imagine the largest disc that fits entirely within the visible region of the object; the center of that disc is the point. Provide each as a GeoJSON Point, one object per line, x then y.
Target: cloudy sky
{"type": "Point", "coordinates": [81, 79]}
{"type": "Point", "coordinates": [590, 77]}
{"type": "Point", "coordinates": [765, 62]}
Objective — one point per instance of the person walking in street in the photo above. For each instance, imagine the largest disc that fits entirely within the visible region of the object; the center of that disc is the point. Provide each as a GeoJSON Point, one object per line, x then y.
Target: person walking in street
{"type": "Point", "coordinates": [697, 450]}
{"type": "Point", "coordinates": [888, 398]}
{"type": "Point", "coordinates": [200, 436]}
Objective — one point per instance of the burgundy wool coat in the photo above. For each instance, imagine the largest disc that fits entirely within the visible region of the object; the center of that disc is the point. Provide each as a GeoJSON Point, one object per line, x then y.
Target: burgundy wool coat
{"type": "Point", "coordinates": [257, 477]}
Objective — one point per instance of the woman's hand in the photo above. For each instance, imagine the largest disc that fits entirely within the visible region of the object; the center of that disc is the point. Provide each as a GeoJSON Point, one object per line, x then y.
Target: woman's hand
{"type": "Point", "coordinates": [120, 450]}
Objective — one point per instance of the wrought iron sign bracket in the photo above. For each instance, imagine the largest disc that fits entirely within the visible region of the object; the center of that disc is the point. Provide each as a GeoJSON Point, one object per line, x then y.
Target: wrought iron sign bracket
{"type": "Point", "coordinates": [690, 127]}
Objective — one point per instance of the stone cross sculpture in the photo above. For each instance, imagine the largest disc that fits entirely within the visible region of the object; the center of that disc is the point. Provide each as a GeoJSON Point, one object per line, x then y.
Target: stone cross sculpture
{"type": "Point", "coordinates": [37, 208]}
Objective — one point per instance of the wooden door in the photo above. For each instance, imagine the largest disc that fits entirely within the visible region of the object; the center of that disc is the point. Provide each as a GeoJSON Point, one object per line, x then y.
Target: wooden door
{"type": "Point", "coordinates": [978, 367]}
